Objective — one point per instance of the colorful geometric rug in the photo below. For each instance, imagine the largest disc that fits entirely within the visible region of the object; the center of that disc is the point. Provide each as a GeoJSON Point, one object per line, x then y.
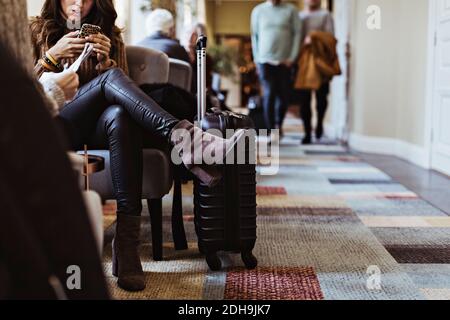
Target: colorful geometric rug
{"type": "Point", "coordinates": [329, 227]}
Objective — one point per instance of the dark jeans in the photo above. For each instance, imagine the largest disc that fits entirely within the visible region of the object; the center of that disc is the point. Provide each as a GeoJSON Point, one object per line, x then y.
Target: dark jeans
{"type": "Point", "coordinates": [44, 226]}
{"type": "Point", "coordinates": [276, 82]}
{"type": "Point", "coordinates": [111, 111]}
{"type": "Point", "coordinates": [304, 99]}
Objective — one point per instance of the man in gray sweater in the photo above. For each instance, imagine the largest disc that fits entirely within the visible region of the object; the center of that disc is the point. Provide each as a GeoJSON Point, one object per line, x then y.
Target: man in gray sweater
{"type": "Point", "coordinates": [276, 42]}
{"type": "Point", "coordinates": [313, 18]}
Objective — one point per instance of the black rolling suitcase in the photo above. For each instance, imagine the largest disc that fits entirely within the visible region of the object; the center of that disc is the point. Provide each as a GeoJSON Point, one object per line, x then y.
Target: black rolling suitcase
{"type": "Point", "coordinates": [225, 215]}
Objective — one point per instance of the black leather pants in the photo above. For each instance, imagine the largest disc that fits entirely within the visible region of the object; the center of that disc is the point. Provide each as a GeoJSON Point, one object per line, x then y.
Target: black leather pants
{"type": "Point", "coordinates": [115, 88]}
{"type": "Point", "coordinates": [116, 130]}
{"type": "Point", "coordinates": [111, 111]}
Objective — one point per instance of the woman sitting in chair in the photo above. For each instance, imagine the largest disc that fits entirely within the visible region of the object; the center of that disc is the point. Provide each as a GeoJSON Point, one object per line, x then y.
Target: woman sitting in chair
{"type": "Point", "coordinates": [109, 108]}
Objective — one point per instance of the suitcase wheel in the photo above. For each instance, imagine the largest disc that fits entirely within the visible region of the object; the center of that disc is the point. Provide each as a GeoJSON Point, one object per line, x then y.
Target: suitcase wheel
{"type": "Point", "coordinates": [213, 261]}
{"type": "Point", "coordinates": [249, 260]}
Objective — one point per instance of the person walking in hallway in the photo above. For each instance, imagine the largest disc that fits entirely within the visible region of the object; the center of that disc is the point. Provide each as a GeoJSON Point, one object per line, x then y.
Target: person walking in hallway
{"type": "Point", "coordinates": [276, 41]}
{"type": "Point", "coordinates": [313, 19]}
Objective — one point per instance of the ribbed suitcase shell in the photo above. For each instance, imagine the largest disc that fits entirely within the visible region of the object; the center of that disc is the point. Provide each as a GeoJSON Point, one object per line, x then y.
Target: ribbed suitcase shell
{"type": "Point", "coordinates": [225, 216]}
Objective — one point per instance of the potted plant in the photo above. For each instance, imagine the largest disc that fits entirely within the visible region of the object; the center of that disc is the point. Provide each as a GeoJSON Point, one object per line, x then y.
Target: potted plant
{"type": "Point", "coordinates": [226, 60]}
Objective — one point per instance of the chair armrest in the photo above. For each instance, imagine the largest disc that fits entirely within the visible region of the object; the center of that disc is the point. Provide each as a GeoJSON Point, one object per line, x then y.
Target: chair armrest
{"type": "Point", "coordinates": [180, 74]}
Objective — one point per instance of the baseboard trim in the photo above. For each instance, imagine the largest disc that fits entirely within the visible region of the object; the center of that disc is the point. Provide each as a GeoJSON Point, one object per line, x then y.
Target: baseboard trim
{"type": "Point", "coordinates": [330, 131]}
{"type": "Point", "coordinates": [393, 147]}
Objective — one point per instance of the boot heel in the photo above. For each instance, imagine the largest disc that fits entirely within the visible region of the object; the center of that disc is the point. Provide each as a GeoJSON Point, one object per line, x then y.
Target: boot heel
{"type": "Point", "coordinates": [115, 262]}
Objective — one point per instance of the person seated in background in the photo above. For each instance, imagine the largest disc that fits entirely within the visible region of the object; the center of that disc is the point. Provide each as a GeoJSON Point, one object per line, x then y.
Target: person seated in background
{"type": "Point", "coordinates": [107, 95]}
{"type": "Point", "coordinates": [191, 47]}
{"type": "Point", "coordinates": [214, 97]}
{"type": "Point", "coordinates": [160, 27]}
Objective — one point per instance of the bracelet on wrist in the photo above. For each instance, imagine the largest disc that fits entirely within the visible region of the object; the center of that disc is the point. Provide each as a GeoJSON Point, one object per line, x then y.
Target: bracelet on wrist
{"type": "Point", "coordinates": [49, 59]}
{"type": "Point", "coordinates": [52, 59]}
{"type": "Point", "coordinates": [47, 66]}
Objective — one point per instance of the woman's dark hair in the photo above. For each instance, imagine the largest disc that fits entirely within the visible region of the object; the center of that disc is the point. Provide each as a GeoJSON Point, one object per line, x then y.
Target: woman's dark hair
{"type": "Point", "coordinates": [52, 24]}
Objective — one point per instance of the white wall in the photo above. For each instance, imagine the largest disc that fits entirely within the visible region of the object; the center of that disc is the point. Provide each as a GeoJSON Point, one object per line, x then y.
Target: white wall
{"type": "Point", "coordinates": [388, 79]}
{"type": "Point", "coordinates": [34, 7]}
{"type": "Point", "coordinates": [413, 51]}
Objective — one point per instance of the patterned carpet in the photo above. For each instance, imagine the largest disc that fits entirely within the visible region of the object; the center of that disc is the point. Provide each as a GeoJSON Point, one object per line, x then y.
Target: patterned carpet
{"type": "Point", "coordinates": [326, 222]}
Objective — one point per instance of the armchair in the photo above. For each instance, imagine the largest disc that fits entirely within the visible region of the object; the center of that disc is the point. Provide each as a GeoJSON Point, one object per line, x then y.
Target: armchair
{"type": "Point", "coordinates": [180, 74]}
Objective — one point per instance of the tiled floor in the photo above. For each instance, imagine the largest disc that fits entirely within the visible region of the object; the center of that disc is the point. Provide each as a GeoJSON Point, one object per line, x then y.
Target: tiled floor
{"type": "Point", "coordinates": [429, 185]}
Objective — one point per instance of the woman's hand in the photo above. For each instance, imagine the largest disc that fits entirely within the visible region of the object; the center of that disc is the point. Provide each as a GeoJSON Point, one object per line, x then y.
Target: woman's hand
{"type": "Point", "coordinates": [102, 46]}
{"type": "Point", "coordinates": [69, 46]}
{"type": "Point", "coordinates": [287, 63]}
{"type": "Point", "coordinates": [67, 80]}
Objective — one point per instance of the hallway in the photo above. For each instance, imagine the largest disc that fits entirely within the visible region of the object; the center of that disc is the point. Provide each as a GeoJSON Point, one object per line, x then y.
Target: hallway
{"type": "Point", "coordinates": [323, 221]}
{"type": "Point", "coordinates": [353, 205]}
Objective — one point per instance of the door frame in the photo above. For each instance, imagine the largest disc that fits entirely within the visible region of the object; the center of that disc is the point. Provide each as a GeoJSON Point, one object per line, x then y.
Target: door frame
{"type": "Point", "coordinates": [340, 108]}
{"type": "Point", "coordinates": [430, 107]}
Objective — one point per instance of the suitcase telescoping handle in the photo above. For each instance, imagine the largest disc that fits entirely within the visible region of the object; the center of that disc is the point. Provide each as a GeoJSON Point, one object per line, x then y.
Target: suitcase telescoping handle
{"type": "Point", "coordinates": [201, 77]}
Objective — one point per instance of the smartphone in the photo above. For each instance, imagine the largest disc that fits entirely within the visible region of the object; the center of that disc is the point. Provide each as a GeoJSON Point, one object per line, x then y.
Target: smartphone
{"type": "Point", "coordinates": [89, 29]}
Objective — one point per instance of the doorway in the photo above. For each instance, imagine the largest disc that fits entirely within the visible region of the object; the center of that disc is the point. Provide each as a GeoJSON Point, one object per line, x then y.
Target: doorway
{"type": "Point", "coordinates": [337, 127]}
{"type": "Point", "coordinates": [439, 90]}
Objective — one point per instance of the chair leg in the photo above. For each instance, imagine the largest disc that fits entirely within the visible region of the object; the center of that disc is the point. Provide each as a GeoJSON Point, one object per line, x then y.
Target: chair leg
{"type": "Point", "coordinates": [155, 210]}
{"type": "Point", "coordinates": [178, 232]}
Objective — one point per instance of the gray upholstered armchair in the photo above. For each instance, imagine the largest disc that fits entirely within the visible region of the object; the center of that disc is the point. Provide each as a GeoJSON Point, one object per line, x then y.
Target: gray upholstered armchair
{"type": "Point", "coordinates": [180, 74]}
{"type": "Point", "coordinates": [146, 66]}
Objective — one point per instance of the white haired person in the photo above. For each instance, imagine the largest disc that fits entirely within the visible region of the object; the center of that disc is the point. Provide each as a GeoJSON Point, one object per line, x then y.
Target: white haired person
{"type": "Point", "coordinates": [160, 28]}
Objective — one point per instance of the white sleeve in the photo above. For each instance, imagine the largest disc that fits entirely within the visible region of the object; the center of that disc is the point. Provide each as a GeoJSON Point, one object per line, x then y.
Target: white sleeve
{"type": "Point", "coordinates": [52, 90]}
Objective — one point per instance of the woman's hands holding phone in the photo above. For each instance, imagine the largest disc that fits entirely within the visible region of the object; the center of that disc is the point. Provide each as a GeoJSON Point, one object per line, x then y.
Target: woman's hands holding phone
{"type": "Point", "coordinates": [69, 46]}
{"type": "Point", "coordinates": [102, 46]}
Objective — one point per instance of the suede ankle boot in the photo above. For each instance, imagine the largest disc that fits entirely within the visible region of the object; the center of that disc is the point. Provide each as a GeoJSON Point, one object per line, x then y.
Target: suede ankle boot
{"type": "Point", "coordinates": [125, 253]}
{"type": "Point", "coordinates": [186, 137]}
